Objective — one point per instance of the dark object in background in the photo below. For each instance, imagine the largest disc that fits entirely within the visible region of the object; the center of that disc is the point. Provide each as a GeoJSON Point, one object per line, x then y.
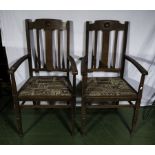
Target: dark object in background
{"type": "Point", "coordinates": [4, 75]}
{"type": "Point", "coordinates": [5, 84]}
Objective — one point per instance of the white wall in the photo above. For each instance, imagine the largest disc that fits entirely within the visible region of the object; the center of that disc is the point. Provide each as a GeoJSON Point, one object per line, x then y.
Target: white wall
{"type": "Point", "coordinates": [141, 38]}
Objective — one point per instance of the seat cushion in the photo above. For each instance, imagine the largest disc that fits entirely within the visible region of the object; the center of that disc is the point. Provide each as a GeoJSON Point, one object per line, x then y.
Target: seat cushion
{"type": "Point", "coordinates": [108, 87]}
{"type": "Point", "coordinates": [45, 87]}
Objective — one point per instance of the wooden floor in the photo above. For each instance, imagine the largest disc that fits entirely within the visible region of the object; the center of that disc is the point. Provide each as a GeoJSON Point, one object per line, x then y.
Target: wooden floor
{"type": "Point", "coordinates": [52, 126]}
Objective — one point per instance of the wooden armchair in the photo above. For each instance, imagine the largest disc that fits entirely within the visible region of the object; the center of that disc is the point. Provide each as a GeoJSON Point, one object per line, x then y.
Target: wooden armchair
{"type": "Point", "coordinates": [48, 46]}
{"type": "Point", "coordinates": [102, 40]}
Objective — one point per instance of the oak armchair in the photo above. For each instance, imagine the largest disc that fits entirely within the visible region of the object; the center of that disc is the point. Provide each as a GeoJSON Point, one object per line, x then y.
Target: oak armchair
{"type": "Point", "coordinates": [48, 46]}
{"type": "Point", "coordinates": [101, 55]}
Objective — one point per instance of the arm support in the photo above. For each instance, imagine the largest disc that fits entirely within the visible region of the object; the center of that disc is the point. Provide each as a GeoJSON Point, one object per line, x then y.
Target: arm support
{"type": "Point", "coordinates": [74, 72]}
{"type": "Point", "coordinates": [73, 65]}
{"type": "Point", "coordinates": [18, 63]}
{"type": "Point", "coordinates": [137, 65]}
{"type": "Point", "coordinates": [84, 73]}
{"type": "Point", "coordinates": [12, 70]}
{"type": "Point", "coordinates": [84, 66]}
{"type": "Point", "coordinates": [143, 72]}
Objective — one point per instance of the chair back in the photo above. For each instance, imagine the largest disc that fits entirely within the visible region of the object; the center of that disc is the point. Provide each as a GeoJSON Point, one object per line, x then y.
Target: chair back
{"type": "Point", "coordinates": [106, 45]}
{"type": "Point", "coordinates": [48, 43]}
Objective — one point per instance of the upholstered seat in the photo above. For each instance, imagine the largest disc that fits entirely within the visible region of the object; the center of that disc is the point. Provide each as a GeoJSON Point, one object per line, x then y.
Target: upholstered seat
{"type": "Point", "coordinates": [48, 87]}
{"type": "Point", "coordinates": [108, 87]}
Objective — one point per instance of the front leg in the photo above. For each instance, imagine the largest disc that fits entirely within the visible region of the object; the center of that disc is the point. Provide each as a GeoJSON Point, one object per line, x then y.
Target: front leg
{"type": "Point", "coordinates": [18, 116]}
{"type": "Point", "coordinates": [83, 117]}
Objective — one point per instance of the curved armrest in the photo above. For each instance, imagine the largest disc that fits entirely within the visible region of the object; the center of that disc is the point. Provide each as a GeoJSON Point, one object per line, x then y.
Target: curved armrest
{"type": "Point", "coordinates": [84, 65]}
{"type": "Point", "coordinates": [137, 65]}
{"type": "Point", "coordinates": [73, 65]}
{"type": "Point", "coordinates": [18, 63]}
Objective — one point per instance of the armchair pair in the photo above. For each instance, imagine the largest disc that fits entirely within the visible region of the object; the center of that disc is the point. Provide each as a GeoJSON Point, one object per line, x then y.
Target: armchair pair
{"type": "Point", "coordinates": [48, 46]}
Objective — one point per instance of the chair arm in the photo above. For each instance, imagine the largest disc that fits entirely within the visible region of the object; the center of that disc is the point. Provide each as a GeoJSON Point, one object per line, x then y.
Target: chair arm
{"type": "Point", "coordinates": [73, 65]}
{"type": "Point", "coordinates": [83, 65]}
{"type": "Point", "coordinates": [137, 65]}
{"type": "Point", "coordinates": [18, 63]}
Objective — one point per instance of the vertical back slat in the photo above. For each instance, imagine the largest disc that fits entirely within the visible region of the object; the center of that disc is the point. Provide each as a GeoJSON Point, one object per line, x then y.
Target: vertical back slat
{"type": "Point", "coordinates": [87, 38]}
{"type": "Point", "coordinates": [92, 61]}
{"type": "Point", "coordinates": [40, 41]}
{"type": "Point", "coordinates": [59, 37]}
{"type": "Point", "coordinates": [63, 63]}
{"type": "Point", "coordinates": [38, 47]}
{"type": "Point", "coordinates": [33, 48]}
{"type": "Point", "coordinates": [55, 50]}
{"type": "Point", "coordinates": [28, 45]}
{"type": "Point", "coordinates": [49, 50]}
{"type": "Point", "coordinates": [95, 48]}
{"type": "Point", "coordinates": [105, 48]}
{"type": "Point", "coordinates": [115, 48]}
{"type": "Point", "coordinates": [68, 46]}
{"type": "Point", "coordinates": [124, 48]}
